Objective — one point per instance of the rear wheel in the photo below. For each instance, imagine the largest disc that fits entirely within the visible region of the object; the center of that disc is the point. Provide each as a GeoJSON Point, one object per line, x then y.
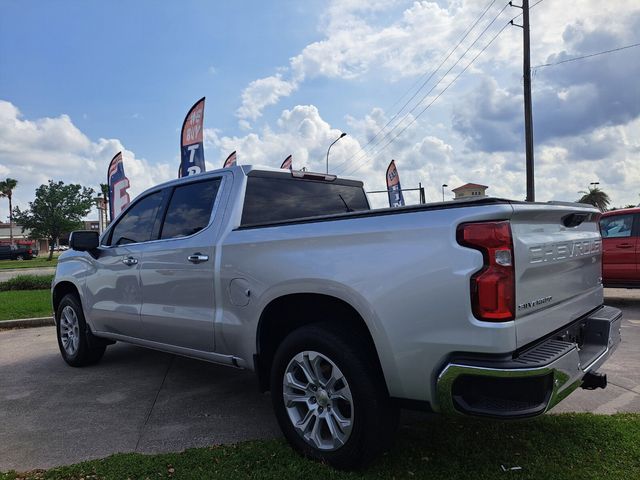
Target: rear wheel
{"type": "Point", "coordinates": [329, 399]}
{"type": "Point", "coordinates": [78, 346]}
{"type": "Point", "coordinates": [19, 258]}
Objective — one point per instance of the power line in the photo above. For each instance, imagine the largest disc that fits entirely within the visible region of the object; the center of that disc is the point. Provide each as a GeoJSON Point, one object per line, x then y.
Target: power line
{"type": "Point", "coordinates": [574, 59]}
{"type": "Point", "coordinates": [468, 31]}
{"type": "Point", "coordinates": [436, 97]}
{"type": "Point", "coordinates": [422, 99]}
{"type": "Point", "coordinates": [406, 115]}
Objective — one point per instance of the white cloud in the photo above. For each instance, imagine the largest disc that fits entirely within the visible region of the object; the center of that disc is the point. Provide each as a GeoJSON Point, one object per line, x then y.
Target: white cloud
{"type": "Point", "coordinates": [425, 155]}
{"type": "Point", "coordinates": [300, 132]}
{"type": "Point", "coordinates": [34, 151]}
{"type": "Point", "coordinates": [262, 93]}
{"type": "Point", "coordinates": [378, 39]}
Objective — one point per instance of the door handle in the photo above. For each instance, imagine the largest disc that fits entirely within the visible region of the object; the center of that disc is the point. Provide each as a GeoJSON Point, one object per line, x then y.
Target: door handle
{"type": "Point", "coordinates": [624, 245]}
{"type": "Point", "coordinates": [129, 261]}
{"type": "Point", "coordinates": [198, 258]}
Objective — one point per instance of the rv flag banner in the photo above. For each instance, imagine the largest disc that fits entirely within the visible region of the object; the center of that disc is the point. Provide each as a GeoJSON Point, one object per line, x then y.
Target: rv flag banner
{"type": "Point", "coordinates": [191, 144]}
{"type": "Point", "coordinates": [118, 185]}
{"type": "Point", "coordinates": [288, 163]}
{"type": "Point", "coordinates": [393, 186]}
{"type": "Point", "coordinates": [230, 161]}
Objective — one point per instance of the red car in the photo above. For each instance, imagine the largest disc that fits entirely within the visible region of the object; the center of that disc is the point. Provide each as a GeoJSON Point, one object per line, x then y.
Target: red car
{"type": "Point", "coordinates": [621, 248]}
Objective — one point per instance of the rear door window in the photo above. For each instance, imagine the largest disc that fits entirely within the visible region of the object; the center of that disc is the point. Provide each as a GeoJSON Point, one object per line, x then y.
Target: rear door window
{"type": "Point", "coordinates": [189, 209]}
{"type": "Point", "coordinates": [137, 224]}
{"type": "Point", "coordinates": [618, 226]}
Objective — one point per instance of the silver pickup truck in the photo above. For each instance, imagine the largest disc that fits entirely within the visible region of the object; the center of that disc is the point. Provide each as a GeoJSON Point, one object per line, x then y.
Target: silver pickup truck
{"type": "Point", "coordinates": [487, 307]}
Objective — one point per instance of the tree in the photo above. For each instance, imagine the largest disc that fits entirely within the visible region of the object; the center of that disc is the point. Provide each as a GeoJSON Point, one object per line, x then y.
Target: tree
{"type": "Point", "coordinates": [596, 197]}
{"type": "Point", "coordinates": [105, 194]}
{"type": "Point", "coordinates": [7, 187]}
{"type": "Point", "coordinates": [57, 208]}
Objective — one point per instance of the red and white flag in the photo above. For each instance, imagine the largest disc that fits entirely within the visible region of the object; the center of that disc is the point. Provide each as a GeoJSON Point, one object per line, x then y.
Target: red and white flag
{"type": "Point", "coordinates": [118, 185]}
{"type": "Point", "coordinates": [288, 163]}
{"type": "Point", "coordinates": [191, 141]}
{"type": "Point", "coordinates": [230, 161]}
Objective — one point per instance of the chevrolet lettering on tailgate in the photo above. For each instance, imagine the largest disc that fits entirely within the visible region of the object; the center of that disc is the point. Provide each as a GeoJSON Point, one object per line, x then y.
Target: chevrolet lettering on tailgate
{"type": "Point", "coordinates": [553, 252]}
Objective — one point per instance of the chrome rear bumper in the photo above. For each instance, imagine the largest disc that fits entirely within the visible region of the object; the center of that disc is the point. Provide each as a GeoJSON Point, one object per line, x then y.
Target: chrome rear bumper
{"type": "Point", "coordinates": [535, 380]}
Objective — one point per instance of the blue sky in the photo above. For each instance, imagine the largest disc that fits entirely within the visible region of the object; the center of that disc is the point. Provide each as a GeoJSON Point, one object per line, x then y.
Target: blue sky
{"type": "Point", "coordinates": [130, 70]}
{"type": "Point", "coordinates": [80, 80]}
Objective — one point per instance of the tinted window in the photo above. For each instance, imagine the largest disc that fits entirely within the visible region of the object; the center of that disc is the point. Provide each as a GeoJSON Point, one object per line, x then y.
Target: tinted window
{"type": "Point", "coordinates": [190, 208]}
{"type": "Point", "coordinates": [618, 226]}
{"type": "Point", "coordinates": [137, 223]}
{"type": "Point", "coordinates": [271, 199]}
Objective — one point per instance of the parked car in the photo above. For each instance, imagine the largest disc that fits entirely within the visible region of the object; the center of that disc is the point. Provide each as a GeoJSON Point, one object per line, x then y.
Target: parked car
{"type": "Point", "coordinates": [484, 307]}
{"type": "Point", "coordinates": [620, 246]}
{"type": "Point", "coordinates": [15, 252]}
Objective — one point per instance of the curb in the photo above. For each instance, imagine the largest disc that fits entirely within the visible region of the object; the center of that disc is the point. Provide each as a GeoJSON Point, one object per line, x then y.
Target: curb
{"type": "Point", "coordinates": [26, 323]}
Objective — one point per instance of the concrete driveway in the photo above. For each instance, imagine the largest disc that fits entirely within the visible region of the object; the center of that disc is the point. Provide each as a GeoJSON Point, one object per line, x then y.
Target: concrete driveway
{"type": "Point", "coordinates": [145, 401]}
{"type": "Point", "coordinates": [14, 272]}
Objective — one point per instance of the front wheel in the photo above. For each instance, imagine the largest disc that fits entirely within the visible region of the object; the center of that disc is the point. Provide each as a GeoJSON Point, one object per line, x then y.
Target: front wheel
{"type": "Point", "coordinates": [329, 397]}
{"type": "Point", "coordinates": [78, 346]}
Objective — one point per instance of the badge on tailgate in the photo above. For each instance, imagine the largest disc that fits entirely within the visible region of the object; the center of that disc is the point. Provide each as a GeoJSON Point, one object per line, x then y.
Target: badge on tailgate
{"type": "Point", "coordinates": [553, 252]}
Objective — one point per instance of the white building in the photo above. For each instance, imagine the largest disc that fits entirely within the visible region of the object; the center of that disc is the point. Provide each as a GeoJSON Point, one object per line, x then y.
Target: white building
{"type": "Point", "coordinates": [470, 190]}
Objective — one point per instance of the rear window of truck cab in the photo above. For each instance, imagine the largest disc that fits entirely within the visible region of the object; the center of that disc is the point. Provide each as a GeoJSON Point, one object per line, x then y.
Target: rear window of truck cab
{"type": "Point", "coordinates": [278, 197]}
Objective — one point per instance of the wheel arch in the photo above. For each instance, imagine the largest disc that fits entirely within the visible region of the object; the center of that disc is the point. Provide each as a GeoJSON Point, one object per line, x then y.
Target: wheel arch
{"type": "Point", "coordinates": [283, 315]}
{"type": "Point", "coordinates": [60, 290]}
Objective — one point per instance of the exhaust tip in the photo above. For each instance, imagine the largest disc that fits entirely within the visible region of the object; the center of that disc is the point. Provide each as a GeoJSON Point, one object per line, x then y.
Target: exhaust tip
{"type": "Point", "coordinates": [594, 380]}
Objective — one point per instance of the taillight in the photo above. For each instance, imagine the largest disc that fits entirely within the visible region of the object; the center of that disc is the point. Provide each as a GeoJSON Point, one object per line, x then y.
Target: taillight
{"type": "Point", "coordinates": [29, 252]}
{"type": "Point", "coordinates": [493, 289]}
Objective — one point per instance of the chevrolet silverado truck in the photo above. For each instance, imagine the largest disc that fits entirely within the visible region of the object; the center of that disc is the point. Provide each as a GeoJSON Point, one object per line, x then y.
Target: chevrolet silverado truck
{"type": "Point", "coordinates": [485, 307]}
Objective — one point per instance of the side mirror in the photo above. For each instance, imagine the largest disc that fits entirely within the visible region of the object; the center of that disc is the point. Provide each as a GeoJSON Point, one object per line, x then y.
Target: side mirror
{"type": "Point", "coordinates": [84, 240]}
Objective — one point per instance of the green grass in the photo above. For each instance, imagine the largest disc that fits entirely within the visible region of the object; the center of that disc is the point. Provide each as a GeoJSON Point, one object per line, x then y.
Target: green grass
{"type": "Point", "coordinates": [27, 282]}
{"type": "Point", "coordinates": [37, 262]}
{"type": "Point", "coordinates": [570, 446]}
{"type": "Point", "coordinates": [25, 304]}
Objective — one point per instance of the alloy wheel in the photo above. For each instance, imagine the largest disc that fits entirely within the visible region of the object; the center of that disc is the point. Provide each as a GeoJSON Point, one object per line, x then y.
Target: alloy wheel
{"type": "Point", "coordinates": [69, 330]}
{"type": "Point", "coordinates": [318, 400]}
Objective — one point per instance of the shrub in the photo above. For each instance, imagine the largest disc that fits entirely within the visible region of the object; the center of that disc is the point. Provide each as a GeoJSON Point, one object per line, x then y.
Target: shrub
{"type": "Point", "coordinates": [27, 282]}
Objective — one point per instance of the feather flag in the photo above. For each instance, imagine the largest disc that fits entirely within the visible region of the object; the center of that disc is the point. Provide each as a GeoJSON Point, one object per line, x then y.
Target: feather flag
{"type": "Point", "coordinates": [230, 161]}
{"type": "Point", "coordinates": [393, 186]}
{"type": "Point", "coordinates": [288, 163]}
{"type": "Point", "coordinates": [118, 185]}
{"type": "Point", "coordinates": [191, 141]}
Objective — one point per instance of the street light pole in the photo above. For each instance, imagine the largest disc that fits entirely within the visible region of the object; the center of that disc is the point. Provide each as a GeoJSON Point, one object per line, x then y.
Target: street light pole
{"type": "Point", "coordinates": [443, 186]}
{"type": "Point", "coordinates": [328, 149]}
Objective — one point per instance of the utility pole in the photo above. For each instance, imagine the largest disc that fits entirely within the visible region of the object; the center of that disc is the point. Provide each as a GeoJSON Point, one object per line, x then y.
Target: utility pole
{"type": "Point", "coordinates": [528, 114]}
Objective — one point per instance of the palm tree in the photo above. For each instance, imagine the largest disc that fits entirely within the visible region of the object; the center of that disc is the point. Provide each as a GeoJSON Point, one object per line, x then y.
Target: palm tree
{"type": "Point", "coordinates": [7, 187]}
{"type": "Point", "coordinates": [596, 197]}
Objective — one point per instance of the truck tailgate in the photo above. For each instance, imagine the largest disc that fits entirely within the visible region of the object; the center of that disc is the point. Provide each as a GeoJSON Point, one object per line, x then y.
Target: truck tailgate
{"type": "Point", "coordinates": [558, 255]}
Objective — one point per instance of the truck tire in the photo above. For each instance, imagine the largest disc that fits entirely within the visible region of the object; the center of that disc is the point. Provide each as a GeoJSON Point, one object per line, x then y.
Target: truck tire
{"type": "Point", "coordinates": [19, 258]}
{"type": "Point", "coordinates": [78, 346]}
{"type": "Point", "coordinates": [330, 398]}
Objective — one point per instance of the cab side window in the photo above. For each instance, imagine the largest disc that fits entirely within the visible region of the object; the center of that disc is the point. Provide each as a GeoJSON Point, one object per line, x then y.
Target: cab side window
{"type": "Point", "coordinates": [189, 209]}
{"type": "Point", "coordinates": [137, 224]}
{"type": "Point", "coordinates": [618, 226]}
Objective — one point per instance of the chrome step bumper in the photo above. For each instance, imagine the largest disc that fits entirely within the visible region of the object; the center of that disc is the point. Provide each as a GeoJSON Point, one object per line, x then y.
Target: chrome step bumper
{"type": "Point", "coordinates": [532, 381]}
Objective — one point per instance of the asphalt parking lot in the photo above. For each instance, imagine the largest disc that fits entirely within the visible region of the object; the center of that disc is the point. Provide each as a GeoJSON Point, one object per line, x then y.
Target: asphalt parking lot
{"type": "Point", "coordinates": [145, 401]}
